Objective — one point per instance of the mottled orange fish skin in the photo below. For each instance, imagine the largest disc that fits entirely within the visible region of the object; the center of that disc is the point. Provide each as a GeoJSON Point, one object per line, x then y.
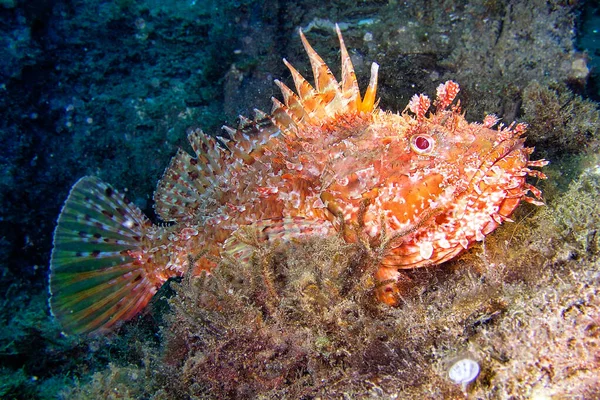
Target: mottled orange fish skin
{"type": "Point", "coordinates": [419, 186]}
{"type": "Point", "coordinates": [413, 189]}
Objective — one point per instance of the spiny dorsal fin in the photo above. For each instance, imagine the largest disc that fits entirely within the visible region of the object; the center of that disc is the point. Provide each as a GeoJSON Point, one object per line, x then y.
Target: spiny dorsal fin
{"type": "Point", "coordinates": [95, 282]}
{"type": "Point", "coordinates": [244, 123]}
{"type": "Point", "coordinates": [252, 135]}
{"type": "Point", "coordinates": [324, 80]}
{"type": "Point", "coordinates": [294, 104]}
{"type": "Point", "coordinates": [368, 103]}
{"type": "Point", "coordinates": [182, 191]}
{"type": "Point", "coordinates": [304, 89]}
{"type": "Point", "coordinates": [249, 132]}
{"type": "Point", "coordinates": [328, 99]}
{"type": "Point", "coordinates": [192, 186]}
{"type": "Point", "coordinates": [350, 88]}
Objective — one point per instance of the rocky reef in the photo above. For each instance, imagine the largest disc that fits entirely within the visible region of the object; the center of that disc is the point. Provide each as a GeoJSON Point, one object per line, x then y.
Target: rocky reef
{"type": "Point", "coordinates": [91, 87]}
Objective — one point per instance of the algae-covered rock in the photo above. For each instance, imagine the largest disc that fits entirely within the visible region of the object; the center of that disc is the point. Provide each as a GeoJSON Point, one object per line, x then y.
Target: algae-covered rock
{"type": "Point", "coordinates": [560, 120]}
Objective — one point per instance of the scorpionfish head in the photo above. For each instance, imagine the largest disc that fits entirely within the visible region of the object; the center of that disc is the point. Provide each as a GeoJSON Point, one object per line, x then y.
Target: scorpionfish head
{"type": "Point", "coordinates": [441, 183]}
{"type": "Point", "coordinates": [427, 185]}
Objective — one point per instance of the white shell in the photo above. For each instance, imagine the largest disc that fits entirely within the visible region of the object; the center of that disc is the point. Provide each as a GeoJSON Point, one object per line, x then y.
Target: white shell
{"type": "Point", "coordinates": [464, 371]}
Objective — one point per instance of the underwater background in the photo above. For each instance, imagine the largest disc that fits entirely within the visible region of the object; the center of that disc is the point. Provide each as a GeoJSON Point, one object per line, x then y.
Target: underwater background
{"type": "Point", "coordinates": [109, 88]}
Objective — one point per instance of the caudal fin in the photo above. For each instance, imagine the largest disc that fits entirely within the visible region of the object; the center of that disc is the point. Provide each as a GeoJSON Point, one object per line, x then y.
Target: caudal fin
{"type": "Point", "coordinates": [94, 281]}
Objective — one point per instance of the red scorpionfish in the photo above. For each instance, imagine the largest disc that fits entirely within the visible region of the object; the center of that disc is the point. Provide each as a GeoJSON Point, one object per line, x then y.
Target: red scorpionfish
{"type": "Point", "coordinates": [419, 187]}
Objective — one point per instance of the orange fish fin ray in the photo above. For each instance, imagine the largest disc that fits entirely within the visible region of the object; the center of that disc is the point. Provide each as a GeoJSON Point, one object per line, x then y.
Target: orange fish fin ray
{"type": "Point", "coordinates": [284, 118]}
{"type": "Point", "coordinates": [251, 138]}
{"type": "Point", "coordinates": [95, 283]}
{"type": "Point", "coordinates": [324, 79]}
{"type": "Point", "coordinates": [303, 88]}
{"type": "Point", "coordinates": [368, 102]}
{"type": "Point", "coordinates": [244, 123]}
{"type": "Point", "coordinates": [292, 102]}
{"type": "Point", "coordinates": [260, 116]}
{"type": "Point", "coordinates": [259, 135]}
{"type": "Point", "coordinates": [208, 151]}
{"type": "Point", "coordinates": [235, 147]}
{"type": "Point", "coordinates": [350, 88]}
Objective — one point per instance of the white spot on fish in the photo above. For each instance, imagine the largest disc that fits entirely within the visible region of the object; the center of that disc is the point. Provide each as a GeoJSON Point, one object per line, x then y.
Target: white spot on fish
{"type": "Point", "coordinates": [426, 250]}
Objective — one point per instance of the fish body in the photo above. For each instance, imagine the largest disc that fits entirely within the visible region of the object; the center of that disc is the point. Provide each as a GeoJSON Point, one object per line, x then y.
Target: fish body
{"type": "Point", "coordinates": [415, 188]}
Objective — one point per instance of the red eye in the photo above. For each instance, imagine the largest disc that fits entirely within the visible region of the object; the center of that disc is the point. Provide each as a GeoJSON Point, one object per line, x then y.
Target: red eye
{"type": "Point", "coordinates": [422, 144]}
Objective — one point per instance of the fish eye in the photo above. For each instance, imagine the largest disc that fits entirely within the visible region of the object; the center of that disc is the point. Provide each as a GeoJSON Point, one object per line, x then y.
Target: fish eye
{"type": "Point", "coordinates": [422, 144]}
